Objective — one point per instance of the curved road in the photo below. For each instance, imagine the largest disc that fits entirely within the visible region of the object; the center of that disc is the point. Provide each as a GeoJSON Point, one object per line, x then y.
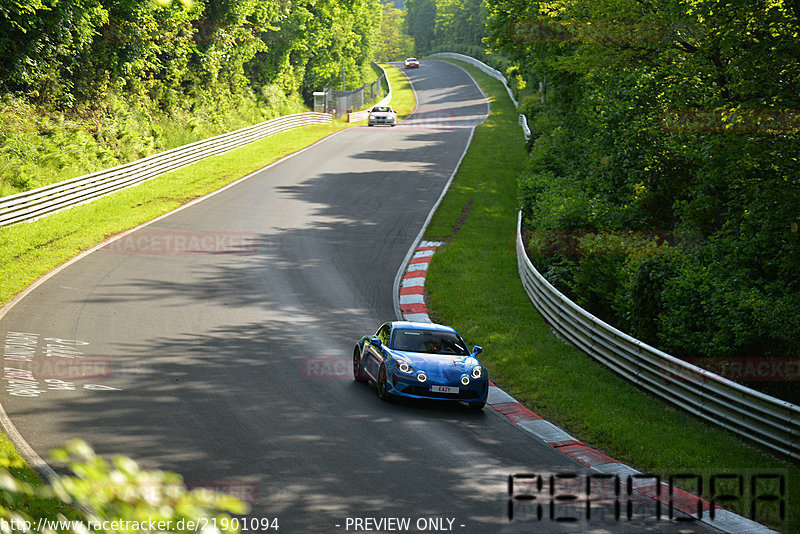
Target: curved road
{"type": "Point", "coordinates": [216, 342]}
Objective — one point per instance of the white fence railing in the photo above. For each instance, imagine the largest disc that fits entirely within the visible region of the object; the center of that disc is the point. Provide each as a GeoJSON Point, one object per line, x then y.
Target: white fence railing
{"type": "Point", "coordinates": [750, 414]}
{"type": "Point", "coordinates": [61, 195]}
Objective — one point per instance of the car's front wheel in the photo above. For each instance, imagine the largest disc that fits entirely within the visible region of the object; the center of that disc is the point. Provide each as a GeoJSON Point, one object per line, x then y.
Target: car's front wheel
{"type": "Point", "coordinates": [383, 388]}
{"type": "Point", "coordinates": [357, 374]}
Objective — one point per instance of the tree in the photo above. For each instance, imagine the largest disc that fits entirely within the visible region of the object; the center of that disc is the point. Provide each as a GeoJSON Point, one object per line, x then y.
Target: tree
{"type": "Point", "coordinates": [42, 43]}
{"type": "Point", "coordinates": [421, 24]}
{"type": "Point", "coordinates": [396, 44]}
{"type": "Point", "coordinates": [672, 119]}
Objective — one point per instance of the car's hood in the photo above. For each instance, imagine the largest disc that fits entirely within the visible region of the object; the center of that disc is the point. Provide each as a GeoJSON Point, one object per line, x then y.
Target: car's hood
{"type": "Point", "coordinates": [438, 366]}
{"type": "Point", "coordinates": [381, 113]}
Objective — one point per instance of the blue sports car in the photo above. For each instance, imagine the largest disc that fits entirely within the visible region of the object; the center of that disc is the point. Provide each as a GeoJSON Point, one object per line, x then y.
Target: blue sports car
{"type": "Point", "coordinates": [421, 361]}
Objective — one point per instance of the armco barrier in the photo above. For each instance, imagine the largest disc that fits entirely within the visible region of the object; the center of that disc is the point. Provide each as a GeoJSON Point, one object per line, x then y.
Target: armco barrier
{"type": "Point", "coordinates": [51, 198]}
{"type": "Point", "coordinates": [771, 422]}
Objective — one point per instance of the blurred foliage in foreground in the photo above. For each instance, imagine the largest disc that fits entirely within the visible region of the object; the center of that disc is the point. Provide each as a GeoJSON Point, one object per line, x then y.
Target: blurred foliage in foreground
{"type": "Point", "coordinates": [109, 497]}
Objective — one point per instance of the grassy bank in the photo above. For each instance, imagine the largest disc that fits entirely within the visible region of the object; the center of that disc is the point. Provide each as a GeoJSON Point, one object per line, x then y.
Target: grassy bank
{"type": "Point", "coordinates": [43, 146]}
{"type": "Point", "coordinates": [473, 284]}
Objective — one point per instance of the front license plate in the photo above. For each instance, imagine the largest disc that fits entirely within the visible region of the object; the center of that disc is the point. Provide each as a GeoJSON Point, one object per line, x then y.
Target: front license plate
{"type": "Point", "coordinates": [444, 389]}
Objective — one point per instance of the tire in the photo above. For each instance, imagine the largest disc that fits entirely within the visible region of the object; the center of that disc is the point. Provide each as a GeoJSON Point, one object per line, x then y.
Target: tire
{"type": "Point", "coordinates": [358, 376]}
{"type": "Point", "coordinates": [476, 406]}
{"type": "Point", "coordinates": [383, 388]}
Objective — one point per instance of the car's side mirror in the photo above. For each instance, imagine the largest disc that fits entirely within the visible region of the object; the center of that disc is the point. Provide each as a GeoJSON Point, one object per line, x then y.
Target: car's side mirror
{"type": "Point", "coordinates": [375, 341]}
{"type": "Point", "coordinates": [477, 350]}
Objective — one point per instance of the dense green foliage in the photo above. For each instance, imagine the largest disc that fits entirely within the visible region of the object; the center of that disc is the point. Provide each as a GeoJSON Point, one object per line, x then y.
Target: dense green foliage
{"type": "Point", "coordinates": [446, 25]}
{"type": "Point", "coordinates": [68, 52]}
{"type": "Point", "coordinates": [87, 84]}
{"type": "Point", "coordinates": [663, 188]}
{"type": "Point", "coordinates": [395, 44]}
{"type": "Point", "coordinates": [99, 496]}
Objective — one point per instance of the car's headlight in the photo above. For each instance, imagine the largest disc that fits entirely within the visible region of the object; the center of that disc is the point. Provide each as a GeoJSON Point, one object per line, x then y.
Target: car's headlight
{"type": "Point", "coordinates": [421, 377]}
{"type": "Point", "coordinates": [405, 368]}
{"type": "Point", "coordinates": [477, 372]}
{"type": "Point", "coordinates": [465, 380]}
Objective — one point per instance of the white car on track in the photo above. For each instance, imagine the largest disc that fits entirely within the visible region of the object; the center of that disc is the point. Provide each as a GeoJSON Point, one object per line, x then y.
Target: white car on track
{"type": "Point", "coordinates": [382, 115]}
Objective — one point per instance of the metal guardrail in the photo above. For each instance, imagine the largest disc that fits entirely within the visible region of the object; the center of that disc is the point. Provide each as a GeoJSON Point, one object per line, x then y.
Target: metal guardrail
{"type": "Point", "coordinates": [523, 122]}
{"type": "Point", "coordinates": [66, 194]}
{"type": "Point", "coordinates": [751, 414]}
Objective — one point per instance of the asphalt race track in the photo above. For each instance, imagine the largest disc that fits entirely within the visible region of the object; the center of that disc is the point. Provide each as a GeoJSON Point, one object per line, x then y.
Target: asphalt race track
{"type": "Point", "coordinates": [216, 342]}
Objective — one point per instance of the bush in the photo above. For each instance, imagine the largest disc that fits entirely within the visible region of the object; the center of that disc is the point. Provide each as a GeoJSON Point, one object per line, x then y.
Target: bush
{"type": "Point", "coordinates": [99, 493]}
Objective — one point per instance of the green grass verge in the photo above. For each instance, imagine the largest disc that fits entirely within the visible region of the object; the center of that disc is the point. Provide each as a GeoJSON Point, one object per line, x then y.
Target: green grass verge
{"type": "Point", "coordinates": [473, 284]}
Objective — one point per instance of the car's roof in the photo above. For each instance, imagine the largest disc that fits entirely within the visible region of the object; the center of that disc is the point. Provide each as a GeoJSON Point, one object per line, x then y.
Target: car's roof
{"type": "Point", "coordinates": [411, 325]}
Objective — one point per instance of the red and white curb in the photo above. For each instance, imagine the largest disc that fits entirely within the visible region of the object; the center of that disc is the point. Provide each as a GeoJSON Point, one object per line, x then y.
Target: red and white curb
{"type": "Point", "coordinates": [412, 287]}
{"type": "Point", "coordinates": [413, 308]}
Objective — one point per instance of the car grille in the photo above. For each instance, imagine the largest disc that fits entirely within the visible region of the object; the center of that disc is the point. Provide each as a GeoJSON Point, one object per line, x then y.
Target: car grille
{"type": "Point", "coordinates": [423, 391]}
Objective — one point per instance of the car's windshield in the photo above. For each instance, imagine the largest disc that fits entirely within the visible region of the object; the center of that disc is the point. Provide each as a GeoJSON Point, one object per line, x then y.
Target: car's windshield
{"type": "Point", "coordinates": [381, 108]}
{"type": "Point", "coordinates": [429, 341]}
